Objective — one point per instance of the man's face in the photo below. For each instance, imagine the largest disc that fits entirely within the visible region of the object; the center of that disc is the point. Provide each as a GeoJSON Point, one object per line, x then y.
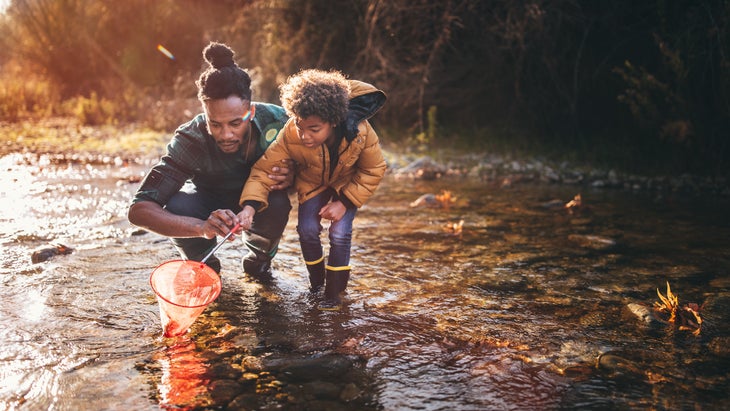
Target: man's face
{"type": "Point", "coordinates": [228, 120]}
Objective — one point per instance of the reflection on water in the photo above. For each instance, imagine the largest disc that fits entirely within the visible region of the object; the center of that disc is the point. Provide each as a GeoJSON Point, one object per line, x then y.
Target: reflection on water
{"type": "Point", "coordinates": [183, 383]}
{"type": "Point", "coordinates": [523, 305]}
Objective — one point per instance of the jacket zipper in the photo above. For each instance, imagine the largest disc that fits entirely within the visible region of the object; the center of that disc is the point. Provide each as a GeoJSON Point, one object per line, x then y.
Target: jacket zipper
{"type": "Point", "coordinates": [324, 169]}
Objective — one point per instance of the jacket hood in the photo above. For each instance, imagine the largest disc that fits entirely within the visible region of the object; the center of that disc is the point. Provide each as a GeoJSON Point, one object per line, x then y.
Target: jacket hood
{"type": "Point", "coordinates": [365, 101]}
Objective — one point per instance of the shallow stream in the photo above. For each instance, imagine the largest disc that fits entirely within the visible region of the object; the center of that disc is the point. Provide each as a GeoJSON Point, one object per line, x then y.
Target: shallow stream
{"type": "Point", "coordinates": [503, 300]}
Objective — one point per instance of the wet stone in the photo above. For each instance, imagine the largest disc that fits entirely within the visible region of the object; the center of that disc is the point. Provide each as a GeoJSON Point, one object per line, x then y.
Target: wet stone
{"type": "Point", "coordinates": [513, 285]}
{"type": "Point", "coordinates": [614, 363]}
{"type": "Point", "coordinates": [594, 242]}
{"type": "Point", "coordinates": [716, 309]}
{"type": "Point", "coordinates": [46, 253]}
{"type": "Point", "coordinates": [643, 313]}
{"type": "Point", "coordinates": [720, 346]}
{"type": "Point", "coordinates": [249, 378]}
{"type": "Point", "coordinates": [594, 319]}
{"type": "Point", "coordinates": [252, 364]}
{"type": "Point", "coordinates": [245, 402]}
{"type": "Point", "coordinates": [322, 389]}
{"type": "Point", "coordinates": [326, 405]}
{"type": "Point", "coordinates": [224, 391]}
{"type": "Point", "coordinates": [307, 369]}
{"type": "Point", "coordinates": [224, 371]}
{"type": "Point", "coordinates": [350, 392]}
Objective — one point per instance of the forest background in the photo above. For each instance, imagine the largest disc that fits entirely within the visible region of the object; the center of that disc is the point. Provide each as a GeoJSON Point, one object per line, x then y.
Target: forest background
{"type": "Point", "coordinates": [639, 85]}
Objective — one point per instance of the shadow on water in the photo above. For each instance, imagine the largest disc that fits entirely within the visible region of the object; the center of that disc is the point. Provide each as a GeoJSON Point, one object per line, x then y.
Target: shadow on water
{"type": "Point", "coordinates": [504, 300]}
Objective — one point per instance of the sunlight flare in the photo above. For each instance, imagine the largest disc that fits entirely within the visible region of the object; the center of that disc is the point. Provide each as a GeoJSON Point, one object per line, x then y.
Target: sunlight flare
{"type": "Point", "coordinates": [165, 51]}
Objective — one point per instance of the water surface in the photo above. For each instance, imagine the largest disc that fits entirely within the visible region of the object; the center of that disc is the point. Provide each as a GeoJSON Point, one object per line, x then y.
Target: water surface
{"type": "Point", "coordinates": [512, 311]}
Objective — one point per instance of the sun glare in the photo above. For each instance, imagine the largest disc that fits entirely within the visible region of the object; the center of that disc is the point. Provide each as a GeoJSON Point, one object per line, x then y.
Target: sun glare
{"type": "Point", "coordinates": [4, 5]}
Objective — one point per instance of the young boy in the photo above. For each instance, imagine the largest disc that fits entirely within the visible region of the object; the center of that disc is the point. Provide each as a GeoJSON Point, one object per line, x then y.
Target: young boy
{"type": "Point", "coordinates": [339, 166]}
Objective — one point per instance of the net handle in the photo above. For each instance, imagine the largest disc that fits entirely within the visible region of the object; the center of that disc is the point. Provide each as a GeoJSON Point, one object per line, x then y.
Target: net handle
{"type": "Point", "coordinates": [230, 233]}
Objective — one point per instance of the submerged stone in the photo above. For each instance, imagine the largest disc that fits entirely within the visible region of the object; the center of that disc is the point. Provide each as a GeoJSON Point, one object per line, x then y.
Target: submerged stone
{"type": "Point", "coordinates": [307, 369]}
{"type": "Point", "coordinates": [224, 391]}
{"type": "Point", "coordinates": [594, 242]}
{"type": "Point", "coordinates": [644, 313]}
{"type": "Point", "coordinates": [720, 346]}
{"type": "Point", "coordinates": [615, 363]}
{"type": "Point", "coordinates": [46, 253]}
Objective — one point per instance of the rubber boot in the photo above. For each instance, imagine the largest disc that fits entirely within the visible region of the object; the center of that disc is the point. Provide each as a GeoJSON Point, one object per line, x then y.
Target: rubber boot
{"type": "Point", "coordinates": [344, 279]}
{"type": "Point", "coordinates": [335, 285]}
{"type": "Point", "coordinates": [257, 268]}
{"type": "Point", "coordinates": [316, 274]}
{"type": "Point", "coordinates": [257, 263]}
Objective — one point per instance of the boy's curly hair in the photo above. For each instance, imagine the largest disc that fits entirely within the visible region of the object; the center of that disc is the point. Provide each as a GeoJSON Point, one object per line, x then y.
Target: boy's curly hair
{"type": "Point", "coordinates": [315, 92]}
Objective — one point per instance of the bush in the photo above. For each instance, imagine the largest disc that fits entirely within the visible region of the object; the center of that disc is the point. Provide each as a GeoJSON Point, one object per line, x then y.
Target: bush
{"type": "Point", "coordinates": [92, 110]}
{"type": "Point", "coordinates": [24, 95]}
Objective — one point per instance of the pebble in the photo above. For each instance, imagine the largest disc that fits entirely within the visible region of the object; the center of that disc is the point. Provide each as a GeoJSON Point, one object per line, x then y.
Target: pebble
{"type": "Point", "coordinates": [46, 253]}
{"type": "Point", "coordinates": [594, 242]}
{"type": "Point", "coordinates": [642, 312]}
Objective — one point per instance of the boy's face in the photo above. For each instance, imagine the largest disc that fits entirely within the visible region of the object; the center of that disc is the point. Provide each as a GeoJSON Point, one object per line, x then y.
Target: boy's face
{"type": "Point", "coordinates": [313, 131]}
{"type": "Point", "coordinates": [228, 121]}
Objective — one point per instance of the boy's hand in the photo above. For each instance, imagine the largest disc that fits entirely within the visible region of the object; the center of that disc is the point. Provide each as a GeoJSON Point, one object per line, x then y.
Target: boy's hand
{"type": "Point", "coordinates": [283, 174]}
{"type": "Point", "coordinates": [333, 211]}
{"type": "Point", "coordinates": [245, 217]}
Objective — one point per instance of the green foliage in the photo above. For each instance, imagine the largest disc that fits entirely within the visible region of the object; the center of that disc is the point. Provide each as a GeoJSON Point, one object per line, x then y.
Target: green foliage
{"type": "Point", "coordinates": [432, 123]}
{"type": "Point", "coordinates": [92, 110]}
{"type": "Point", "coordinates": [427, 139]}
{"type": "Point", "coordinates": [65, 136]}
{"type": "Point", "coordinates": [656, 104]}
{"type": "Point", "coordinates": [23, 96]}
{"type": "Point", "coordinates": [653, 76]}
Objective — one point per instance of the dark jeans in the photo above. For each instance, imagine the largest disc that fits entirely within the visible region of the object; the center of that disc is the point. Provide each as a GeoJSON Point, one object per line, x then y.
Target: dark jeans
{"type": "Point", "coordinates": [310, 226]}
{"type": "Point", "coordinates": [262, 239]}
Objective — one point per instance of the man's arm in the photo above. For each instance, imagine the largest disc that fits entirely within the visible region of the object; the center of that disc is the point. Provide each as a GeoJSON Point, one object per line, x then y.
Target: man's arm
{"type": "Point", "coordinates": [151, 216]}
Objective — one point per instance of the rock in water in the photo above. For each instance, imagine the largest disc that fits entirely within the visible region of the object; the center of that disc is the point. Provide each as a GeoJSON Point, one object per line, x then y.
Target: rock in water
{"type": "Point", "coordinates": [643, 312]}
{"type": "Point", "coordinates": [592, 241]}
{"type": "Point", "coordinates": [426, 200]}
{"type": "Point", "coordinates": [46, 253]}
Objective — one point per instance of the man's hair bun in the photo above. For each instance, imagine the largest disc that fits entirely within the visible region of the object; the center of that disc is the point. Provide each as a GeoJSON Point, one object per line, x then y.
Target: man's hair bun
{"type": "Point", "coordinates": [219, 56]}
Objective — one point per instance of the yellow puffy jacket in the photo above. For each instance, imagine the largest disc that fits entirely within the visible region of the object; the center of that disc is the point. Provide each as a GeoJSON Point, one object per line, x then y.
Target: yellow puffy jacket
{"type": "Point", "coordinates": [358, 172]}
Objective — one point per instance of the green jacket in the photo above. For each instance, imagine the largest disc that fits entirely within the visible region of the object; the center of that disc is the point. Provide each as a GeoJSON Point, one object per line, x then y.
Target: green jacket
{"type": "Point", "coordinates": [192, 155]}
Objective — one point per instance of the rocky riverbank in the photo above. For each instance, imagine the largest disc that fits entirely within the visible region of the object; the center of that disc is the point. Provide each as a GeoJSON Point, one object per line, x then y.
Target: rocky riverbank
{"type": "Point", "coordinates": [61, 141]}
{"type": "Point", "coordinates": [504, 172]}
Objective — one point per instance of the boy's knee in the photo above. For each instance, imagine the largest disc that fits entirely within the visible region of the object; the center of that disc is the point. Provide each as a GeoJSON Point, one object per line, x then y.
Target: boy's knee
{"type": "Point", "coordinates": [340, 237]}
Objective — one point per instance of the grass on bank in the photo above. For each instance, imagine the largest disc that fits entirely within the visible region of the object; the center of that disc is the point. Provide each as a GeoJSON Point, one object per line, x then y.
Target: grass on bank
{"type": "Point", "coordinates": [65, 137]}
{"type": "Point", "coordinates": [68, 137]}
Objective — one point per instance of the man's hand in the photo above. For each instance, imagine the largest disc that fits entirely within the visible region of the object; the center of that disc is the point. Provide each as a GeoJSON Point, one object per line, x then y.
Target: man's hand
{"type": "Point", "coordinates": [219, 222]}
{"type": "Point", "coordinates": [283, 174]}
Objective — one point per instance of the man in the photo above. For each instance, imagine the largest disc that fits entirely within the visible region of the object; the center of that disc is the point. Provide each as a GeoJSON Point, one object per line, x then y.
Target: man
{"type": "Point", "coordinates": [191, 194]}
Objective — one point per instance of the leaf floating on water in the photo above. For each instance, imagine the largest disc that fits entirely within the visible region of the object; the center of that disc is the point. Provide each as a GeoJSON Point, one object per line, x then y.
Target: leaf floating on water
{"type": "Point", "coordinates": [454, 228]}
{"type": "Point", "coordinates": [685, 318]}
{"type": "Point", "coordinates": [577, 206]}
{"type": "Point", "coordinates": [575, 203]}
{"type": "Point", "coordinates": [445, 199]}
